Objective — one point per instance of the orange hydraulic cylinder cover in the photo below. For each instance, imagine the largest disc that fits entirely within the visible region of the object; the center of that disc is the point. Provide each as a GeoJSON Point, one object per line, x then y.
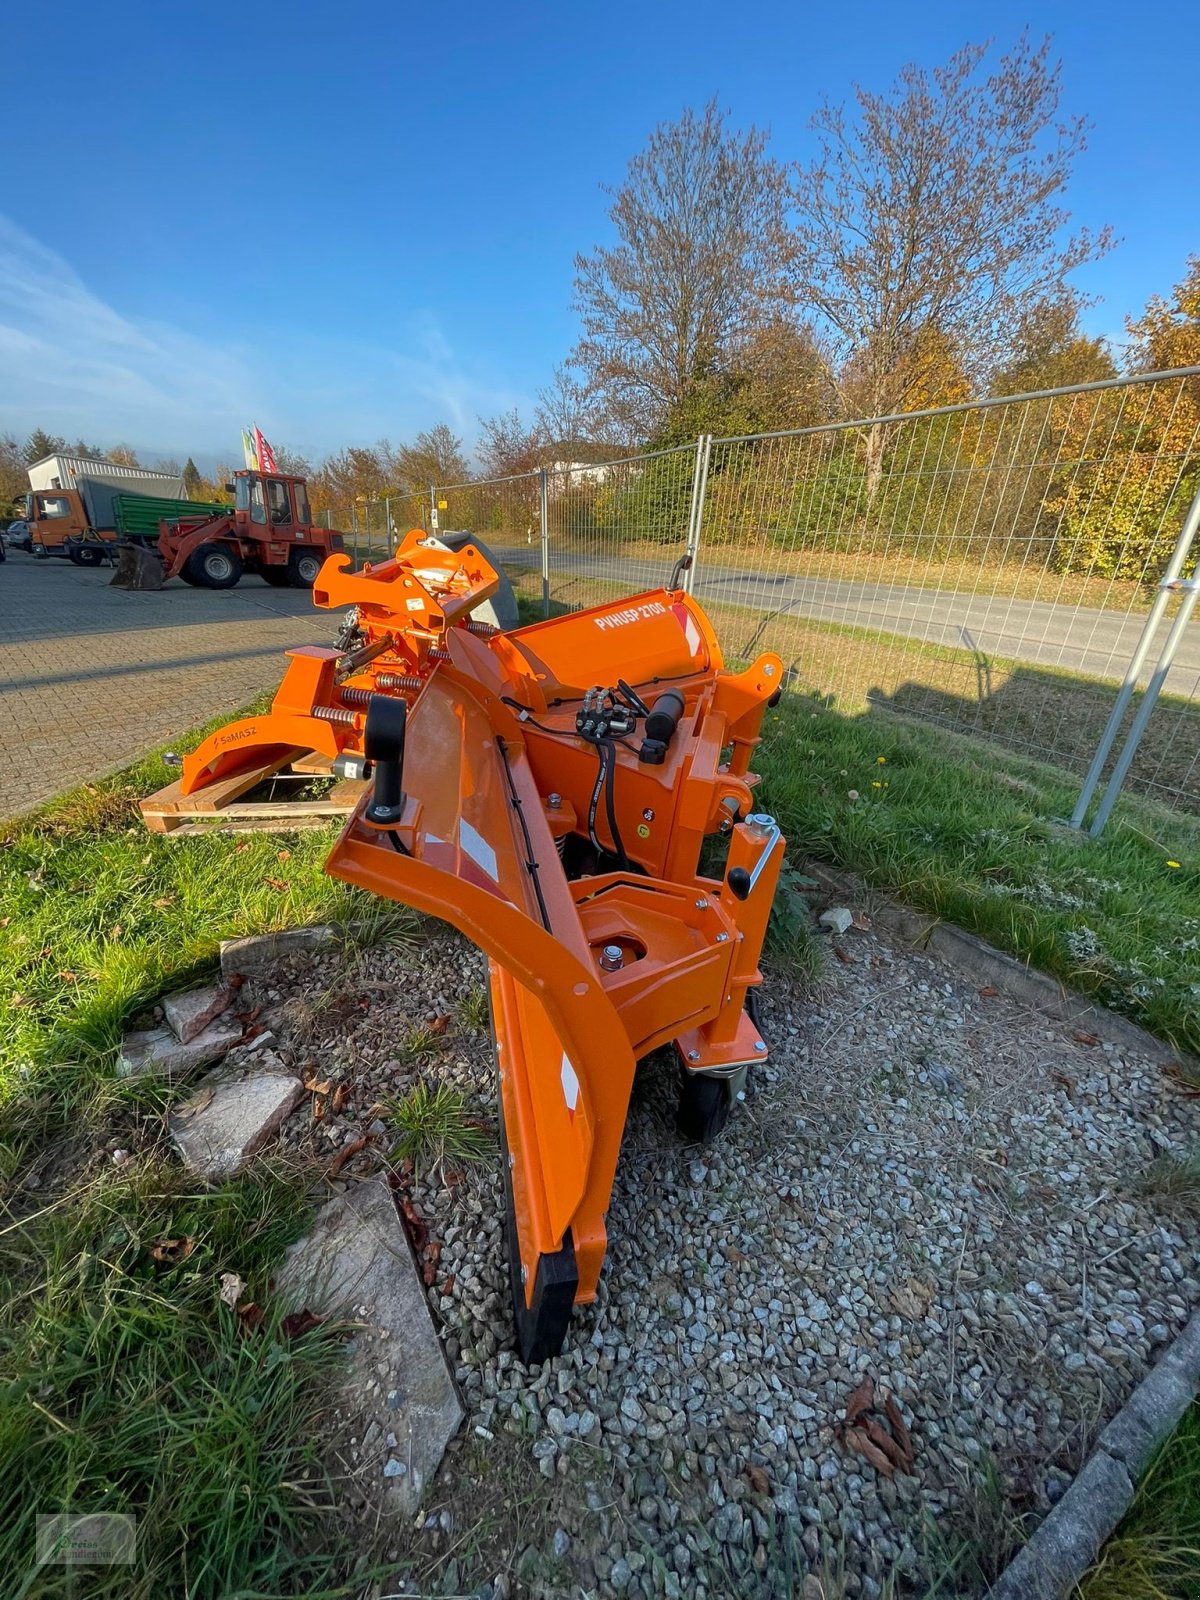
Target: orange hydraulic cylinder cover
{"type": "Point", "coordinates": [655, 635]}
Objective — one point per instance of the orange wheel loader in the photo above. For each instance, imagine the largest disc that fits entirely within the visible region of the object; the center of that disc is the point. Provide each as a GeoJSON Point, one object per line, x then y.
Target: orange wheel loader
{"type": "Point", "coordinates": [547, 791]}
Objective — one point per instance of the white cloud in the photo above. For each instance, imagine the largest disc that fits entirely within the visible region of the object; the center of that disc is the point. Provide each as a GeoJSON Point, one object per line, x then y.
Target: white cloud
{"type": "Point", "coordinates": [73, 364]}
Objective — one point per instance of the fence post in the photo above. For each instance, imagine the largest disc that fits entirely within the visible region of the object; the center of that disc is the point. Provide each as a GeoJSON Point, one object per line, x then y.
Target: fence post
{"type": "Point", "coordinates": [433, 516]}
{"type": "Point", "coordinates": [703, 456]}
{"type": "Point", "coordinates": [387, 522]}
{"type": "Point", "coordinates": [1183, 545]}
{"type": "Point", "coordinates": [544, 513]}
{"type": "Point", "coordinates": [1190, 589]}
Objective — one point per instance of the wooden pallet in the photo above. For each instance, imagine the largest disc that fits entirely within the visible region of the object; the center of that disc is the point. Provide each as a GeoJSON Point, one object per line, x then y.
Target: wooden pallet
{"type": "Point", "coordinates": [223, 808]}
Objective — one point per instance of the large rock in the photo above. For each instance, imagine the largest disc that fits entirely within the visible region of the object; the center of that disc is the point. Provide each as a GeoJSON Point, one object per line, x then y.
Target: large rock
{"type": "Point", "coordinates": [157, 1052]}
{"type": "Point", "coordinates": [231, 1117]}
{"type": "Point", "coordinates": [262, 951]}
{"type": "Point", "coordinates": [190, 1012]}
{"type": "Point", "coordinates": [356, 1263]}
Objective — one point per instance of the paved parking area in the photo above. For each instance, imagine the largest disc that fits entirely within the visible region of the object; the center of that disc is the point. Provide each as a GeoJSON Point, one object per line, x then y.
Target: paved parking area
{"type": "Point", "coordinates": [91, 677]}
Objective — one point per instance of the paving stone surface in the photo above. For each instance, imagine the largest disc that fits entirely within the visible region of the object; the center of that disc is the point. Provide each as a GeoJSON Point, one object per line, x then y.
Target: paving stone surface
{"type": "Point", "coordinates": [92, 677]}
{"type": "Point", "coordinates": [232, 1115]}
{"type": "Point", "coordinates": [189, 1012]}
{"type": "Point", "coordinates": [356, 1263]}
{"type": "Point", "coordinates": [157, 1051]}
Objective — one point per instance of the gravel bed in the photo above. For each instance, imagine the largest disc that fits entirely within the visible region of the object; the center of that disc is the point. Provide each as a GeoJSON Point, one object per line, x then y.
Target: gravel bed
{"type": "Point", "coordinates": [927, 1184]}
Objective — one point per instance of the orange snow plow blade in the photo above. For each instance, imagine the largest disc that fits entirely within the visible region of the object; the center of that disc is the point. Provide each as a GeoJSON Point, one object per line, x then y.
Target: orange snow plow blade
{"type": "Point", "coordinates": [547, 791]}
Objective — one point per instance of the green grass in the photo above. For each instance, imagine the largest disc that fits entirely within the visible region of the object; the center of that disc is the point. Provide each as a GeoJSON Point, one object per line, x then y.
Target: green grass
{"type": "Point", "coordinates": [1155, 1553]}
{"type": "Point", "coordinates": [125, 1384]}
{"type": "Point", "coordinates": [969, 833]}
{"type": "Point", "coordinates": [1175, 1180]}
{"type": "Point", "coordinates": [436, 1128]}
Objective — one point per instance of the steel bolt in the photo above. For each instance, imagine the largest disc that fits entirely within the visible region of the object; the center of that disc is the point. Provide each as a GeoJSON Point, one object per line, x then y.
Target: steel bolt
{"type": "Point", "coordinates": [612, 958]}
{"type": "Point", "coordinates": [722, 938]}
{"type": "Point", "coordinates": [524, 1273]}
{"type": "Point", "coordinates": [693, 1055]}
{"type": "Point", "coordinates": [512, 1161]}
{"type": "Point", "coordinates": [553, 801]}
{"type": "Point", "coordinates": [701, 905]}
{"type": "Point", "coordinates": [759, 1046]}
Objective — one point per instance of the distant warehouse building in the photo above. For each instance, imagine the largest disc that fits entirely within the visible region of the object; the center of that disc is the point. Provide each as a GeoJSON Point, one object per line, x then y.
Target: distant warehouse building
{"type": "Point", "coordinates": [62, 472]}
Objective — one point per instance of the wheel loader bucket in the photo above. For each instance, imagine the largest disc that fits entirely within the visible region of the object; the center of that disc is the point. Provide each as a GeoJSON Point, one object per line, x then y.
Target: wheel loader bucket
{"type": "Point", "coordinates": [547, 791]}
{"type": "Point", "coordinates": [137, 568]}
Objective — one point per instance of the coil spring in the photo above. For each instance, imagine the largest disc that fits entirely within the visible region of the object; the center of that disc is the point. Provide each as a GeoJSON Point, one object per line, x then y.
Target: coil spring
{"type": "Point", "coordinates": [397, 680]}
{"type": "Point", "coordinates": [334, 713]}
{"type": "Point", "coordinates": [481, 627]}
{"type": "Point", "coordinates": [355, 697]}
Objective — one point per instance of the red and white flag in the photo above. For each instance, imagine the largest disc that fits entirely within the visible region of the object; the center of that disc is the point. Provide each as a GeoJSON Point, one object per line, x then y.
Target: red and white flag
{"type": "Point", "coordinates": [266, 456]}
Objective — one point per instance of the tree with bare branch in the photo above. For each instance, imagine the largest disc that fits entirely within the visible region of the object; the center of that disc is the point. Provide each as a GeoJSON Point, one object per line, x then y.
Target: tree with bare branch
{"type": "Point", "coordinates": [694, 269]}
{"type": "Point", "coordinates": [937, 209]}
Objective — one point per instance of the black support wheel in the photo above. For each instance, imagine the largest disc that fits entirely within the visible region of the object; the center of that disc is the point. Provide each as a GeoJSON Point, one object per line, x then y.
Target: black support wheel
{"type": "Point", "coordinates": [215, 566]}
{"type": "Point", "coordinates": [704, 1101]}
{"type": "Point", "coordinates": [704, 1105]}
{"type": "Point", "coordinates": [303, 567]}
{"type": "Point", "coordinates": [89, 556]}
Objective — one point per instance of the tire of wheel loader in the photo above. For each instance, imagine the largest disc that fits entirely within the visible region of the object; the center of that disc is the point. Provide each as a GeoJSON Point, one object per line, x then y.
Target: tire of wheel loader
{"type": "Point", "coordinates": [704, 1102]}
{"type": "Point", "coordinates": [215, 566]}
{"type": "Point", "coordinates": [277, 577]}
{"type": "Point", "coordinates": [303, 567]}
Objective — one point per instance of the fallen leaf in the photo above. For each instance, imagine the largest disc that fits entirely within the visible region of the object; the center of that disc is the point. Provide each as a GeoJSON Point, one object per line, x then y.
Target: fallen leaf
{"type": "Point", "coordinates": [439, 1024]}
{"type": "Point", "coordinates": [238, 848]}
{"type": "Point", "coordinates": [172, 1251]}
{"type": "Point", "coordinates": [346, 1153]}
{"type": "Point", "coordinates": [1080, 1036]}
{"type": "Point", "coordinates": [115, 931]}
{"type": "Point", "coordinates": [161, 905]}
{"type": "Point", "coordinates": [857, 1439]}
{"type": "Point", "coordinates": [758, 1479]}
{"type": "Point", "coordinates": [1064, 1082]}
{"type": "Point", "coordinates": [316, 1085]}
{"type": "Point", "coordinates": [280, 885]}
{"type": "Point", "coordinates": [448, 1286]}
{"type": "Point", "coordinates": [846, 960]}
{"type": "Point", "coordinates": [862, 1399]}
{"type": "Point", "coordinates": [299, 1322]}
{"type": "Point", "coordinates": [988, 992]}
{"type": "Point", "coordinates": [883, 1441]}
{"type": "Point", "coordinates": [236, 980]}
{"type": "Point", "coordinates": [340, 1096]}
{"type": "Point", "coordinates": [899, 1427]}
{"type": "Point", "coordinates": [418, 1233]}
{"type": "Point", "coordinates": [283, 855]}
{"type": "Point", "coordinates": [251, 1315]}
{"type": "Point", "coordinates": [912, 1299]}
{"type": "Point", "coordinates": [380, 1110]}
{"type": "Point", "coordinates": [250, 1015]}
{"type": "Point", "coordinates": [198, 1102]}
{"type": "Point", "coordinates": [231, 1288]}
{"type": "Point", "coordinates": [428, 1274]}
{"type": "Point", "coordinates": [862, 922]}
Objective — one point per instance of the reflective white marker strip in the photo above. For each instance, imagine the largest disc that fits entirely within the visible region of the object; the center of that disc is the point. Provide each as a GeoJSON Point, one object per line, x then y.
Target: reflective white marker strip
{"type": "Point", "coordinates": [477, 847]}
{"type": "Point", "coordinates": [570, 1084]}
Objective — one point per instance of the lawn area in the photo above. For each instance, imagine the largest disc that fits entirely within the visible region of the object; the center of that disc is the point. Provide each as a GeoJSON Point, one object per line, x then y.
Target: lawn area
{"type": "Point", "coordinates": [125, 1383]}
{"type": "Point", "coordinates": [968, 833]}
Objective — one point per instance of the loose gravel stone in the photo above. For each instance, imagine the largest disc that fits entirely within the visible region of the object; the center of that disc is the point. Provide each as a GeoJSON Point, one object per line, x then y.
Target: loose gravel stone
{"type": "Point", "coordinates": [924, 1183]}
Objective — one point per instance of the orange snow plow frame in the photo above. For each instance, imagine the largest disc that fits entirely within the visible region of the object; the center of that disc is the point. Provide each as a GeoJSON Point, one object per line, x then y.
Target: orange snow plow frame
{"type": "Point", "coordinates": [521, 795]}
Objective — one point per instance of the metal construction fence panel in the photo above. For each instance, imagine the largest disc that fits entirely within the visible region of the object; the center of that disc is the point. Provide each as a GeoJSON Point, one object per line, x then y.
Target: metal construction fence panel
{"type": "Point", "coordinates": [994, 568]}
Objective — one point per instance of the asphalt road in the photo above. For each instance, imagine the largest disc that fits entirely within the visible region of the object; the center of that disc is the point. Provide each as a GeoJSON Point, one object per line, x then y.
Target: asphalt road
{"type": "Point", "coordinates": [1075, 639]}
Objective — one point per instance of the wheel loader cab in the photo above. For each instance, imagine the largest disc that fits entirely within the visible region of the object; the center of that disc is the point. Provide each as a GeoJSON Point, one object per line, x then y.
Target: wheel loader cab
{"type": "Point", "coordinates": [272, 500]}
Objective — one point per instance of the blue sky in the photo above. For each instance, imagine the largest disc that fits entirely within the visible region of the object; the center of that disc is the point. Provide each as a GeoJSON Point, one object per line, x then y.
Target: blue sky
{"type": "Point", "coordinates": [354, 221]}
